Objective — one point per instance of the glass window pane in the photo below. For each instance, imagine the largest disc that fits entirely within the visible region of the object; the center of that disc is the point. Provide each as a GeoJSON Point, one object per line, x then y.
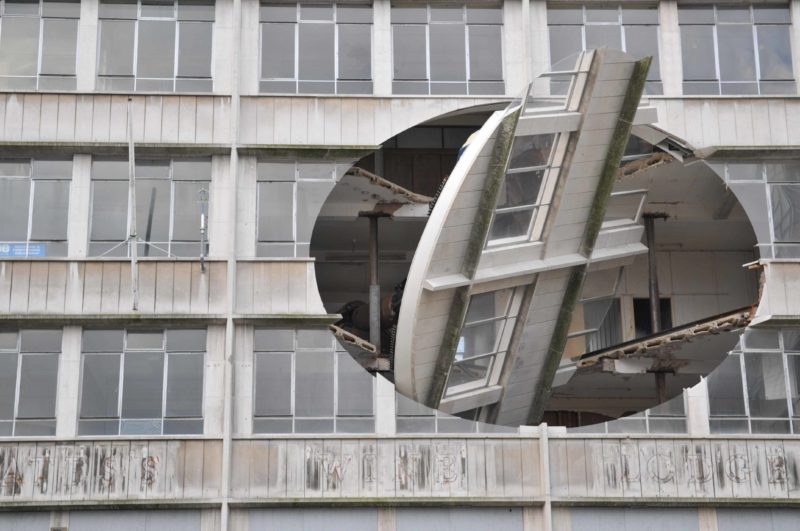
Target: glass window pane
{"type": "Point", "coordinates": [8, 384]}
{"type": "Point", "coordinates": [142, 385]}
{"type": "Point", "coordinates": [355, 57]}
{"type": "Point", "coordinates": [8, 341]}
{"type": "Point", "coordinates": [564, 15]}
{"type": "Point", "coordinates": [733, 14]}
{"type": "Point", "coordinates": [156, 54]}
{"type": "Point", "coordinates": [144, 340]}
{"type": "Point", "coordinates": [448, 52]}
{"type": "Point", "coordinates": [267, 339]}
{"type": "Point", "coordinates": [185, 385]}
{"type": "Point", "coordinates": [100, 389]}
{"type": "Point", "coordinates": [599, 36]}
{"type": "Point", "coordinates": [484, 15]}
{"type": "Point", "coordinates": [772, 14]}
{"type": "Point", "coordinates": [19, 46]}
{"type": "Point", "coordinates": [277, 51]}
{"type": "Point", "coordinates": [316, 12]}
{"type": "Point", "coordinates": [157, 8]}
{"type": "Point", "coordinates": [564, 42]}
{"type": "Point", "coordinates": [469, 371]}
{"type": "Point", "coordinates": [116, 48]}
{"type": "Point", "coordinates": [64, 9]}
{"type": "Point", "coordinates": [528, 151]}
{"type": "Point", "coordinates": [641, 41]}
{"type": "Point", "coordinates": [194, 49]}
{"type": "Point", "coordinates": [520, 189]}
{"type": "Point", "coordinates": [775, 52]}
{"type": "Point", "coordinates": [409, 14]}
{"type": "Point", "coordinates": [314, 384]}
{"type": "Point", "coordinates": [639, 15]}
{"type": "Point", "coordinates": [794, 382]}
{"type": "Point", "coordinates": [314, 338]}
{"type": "Point", "coordinates": [736, 56]}
{"type": "Point", "coordinates": [479, 339]}
{"type": "Point", "coordinates": [50, 205]}
{"type": "Point", "coordinates": [52, 169]}
{"type": "Point", "coordinates": [602, 14]}
{"type": "Point", "coordinates": [510, 224]}
{"type": "Point", "coordinates": [275, 211]}
{"type": "Point", "coordinates": [199, 10]}
{"type": "Point", "coordinates": [354, 13]}
{"type": "Point", "coordinates": [58, 46]}
{"type": "Point", "coordinates": [485, 53]}
{"type": "Point", "coordinates": [766, 390]}
{"type": "Point", "coordinates": [278, 12]}
{"type": "Point", "coordinates": [697, 50]}
{"type": "Point", "coordinates": [355, 387]}
{"type": "Point", "coordinates": [696, 15]}
{"type": "Point", "coordinates": [152, 210]}
{"type": "Point", "coordinates": [410, 52]}
{"type": "Point", "coordinates": [316, 51]}
{"type": "Point", "coordinates": [14, 202]}
{"type": "Point", "coordinates": [102, 340]}
{"type": "Point", "coordinates": [37, 386]}
{"type": "Point", "coordinates": [186, 340]}
{"type": "Point", "coordinates": [786, 212]}
{"type": "Point", "coordinates": [273, 384]}
{"type": "Point", "coordinates": [186, 215]}
{"type": "Point", "coordinates": [488, 305]}
{"type": "Point", "coordinates": [40, 341]}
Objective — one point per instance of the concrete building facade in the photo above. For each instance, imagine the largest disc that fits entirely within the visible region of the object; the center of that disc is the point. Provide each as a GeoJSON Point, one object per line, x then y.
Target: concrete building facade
{"type": "Point", "coordinates": [199, 386]}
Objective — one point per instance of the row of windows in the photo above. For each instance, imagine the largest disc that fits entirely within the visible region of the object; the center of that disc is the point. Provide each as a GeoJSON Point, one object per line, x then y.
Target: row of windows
{"type": "Point", "coordinates": [151, 382]}
{"type": "Point", "coordinates": [172, 195]}
{"type": "Point", "coordinates": [327, 49]}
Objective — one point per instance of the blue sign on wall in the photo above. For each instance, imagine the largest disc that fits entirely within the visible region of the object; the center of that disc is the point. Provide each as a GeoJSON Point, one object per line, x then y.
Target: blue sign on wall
{"type": "Point", "coordinates": [22, 250]}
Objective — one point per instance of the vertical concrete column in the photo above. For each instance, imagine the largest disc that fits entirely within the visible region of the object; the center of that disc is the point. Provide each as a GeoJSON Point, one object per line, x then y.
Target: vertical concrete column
{"type": "Point", "coordinates": [249, 47]}
{"type": "Point", "coordinates": [80, 199]}
{"type": "Point", "coordinates": [85, 68]}
{"type": "Point", "coordinates": [387, 519]}
{"type": "Point", "coordinates": [697, 409]}
{"type": "Point", "coordinates": [213, 387]}
{"type": "Point", "coordinates": [707, 518]}
{"type": "Point", "coordinates": [670, 48]}
{"type": "Point", "coordinates": [224, 42]}
{"type": "Point", "coordinates": [246, 192]}
{"type": "Point", "coordinates": [220, 214]}
{"type": "Point", "coordinates": [385, 408]}
{"type": "Point", "coordinates": [243, 365]}
{"type": "Point", "coordinates": [515, 46]}
{"type": "Point", "coordinates": [539, 47]}
{"type": "Point", "coordinates": [68, 387]}
{"type": "Point", "coordinates": [382, 48]}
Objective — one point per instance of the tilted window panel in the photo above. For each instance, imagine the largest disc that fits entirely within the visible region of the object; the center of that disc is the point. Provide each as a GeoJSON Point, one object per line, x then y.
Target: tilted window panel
{"type": "Point", "coordinates": [316, 49]}
{"type": "Point", "coordinates": [156, 47]}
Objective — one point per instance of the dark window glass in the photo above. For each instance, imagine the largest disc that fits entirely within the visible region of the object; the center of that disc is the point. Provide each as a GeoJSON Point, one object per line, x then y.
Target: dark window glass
{"type": "Point", "coordinates": [447, 52]}
{"type": "Point", "coordinates": [314, 384]}
{"type": "Point", "coordinates": [152, 210]}
{"type": "Point", "coordinates": [50, 205]}
{"type": "Point", "coordinates": [355, 387]}
{"type": "Point", "coordinates": [59, 44]}
{"type": "Point", "coordinates": [156, 54]}
{"type": "Point", "coordinates": [8, 382]}
{"type": "Point", "coordinates": [766, 388]}
{"type": "Point", "coordinates": [316, 51]}
{"type": "Point", "coordinates": [142, 385]}
{"type": "Point", "coordinates": [19, 46]}
{"type": "Point", "coordinates": [736, 56]}
{"type": "Point", "coordinates": [185, 385]}
{"type": "Point", "coordinates": [725, 394]}
{"type": "Point", "coordinates": [355, 56]}
{"type": "Point", "coordinates": [273, 384]}
{"type": "Point", "coordinates": [277, 52]}
{"type": "Point", "coordinates": [194, 49]}
{"type": "Point", "coordinates": [109, 210]}
{"type": "Point", "coordinates": [485, 53]}
{"type": "Point", "coordinates": [410, 52]}
{"type": "Point", "coordinates": [697, 47]}
{"type": "Point", "coordinates": [564, 42]}
{"type": "Point", "coordinates": [604, 36]}
{"type": "Point", "coordinates": [775, 52]}
{"type": "Point", "coordinates": [14, 204]}
{"type": "Point", "coordinates": [40, 341]}
{"type": "Point", "coordinates": [100, 390]}
{"type": "Point", "coordinates": [786, 212]}
{"type": "Point", "coordinates": [37, 386]}
{"type": "Point", "coordinates": [275, 211]}
{"type": "Point", "coordinates": [642, 41]}
{"type": "Point", "coordinates": [116, 48]}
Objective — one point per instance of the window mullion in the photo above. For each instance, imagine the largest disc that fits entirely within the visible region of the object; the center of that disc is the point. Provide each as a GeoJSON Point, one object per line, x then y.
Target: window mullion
{"type": "Point", "coordinates": [121, 390]}
{"type": "Point", "coordinates": [164, 390]}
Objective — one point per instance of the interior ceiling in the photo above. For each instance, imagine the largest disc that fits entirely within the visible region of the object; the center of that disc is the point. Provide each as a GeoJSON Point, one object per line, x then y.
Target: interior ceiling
{"type": "Point", "coordinates": [703, 213]}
